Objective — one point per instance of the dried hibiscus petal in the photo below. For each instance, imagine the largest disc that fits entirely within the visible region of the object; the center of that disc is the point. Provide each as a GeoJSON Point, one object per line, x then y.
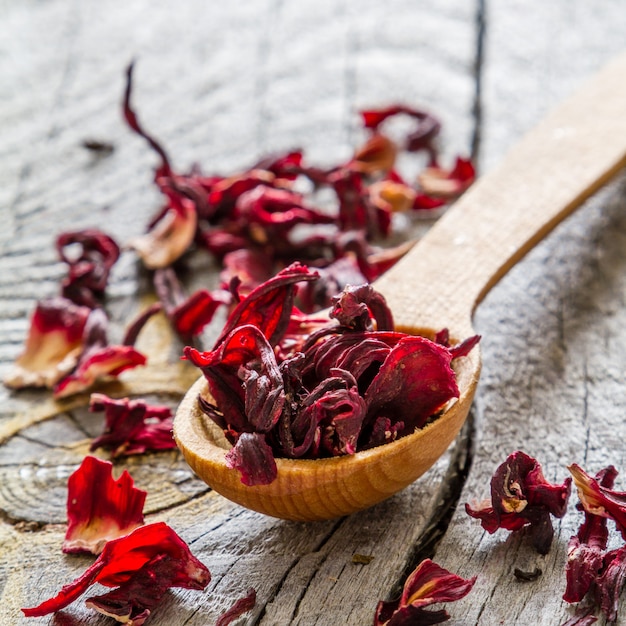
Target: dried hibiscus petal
{"type": "Point", "coordinates": [89, 268]}
{"type": "Point", "coordinates": [520, 497]}
{"type": "Point", "coordinates": [585, 550]}
{"type": "Point", "coordinates": [241, 606]}
{"type": "Point", "coordinates": [134, 563]}
{"type": "Point", "coordinates": [54, 342]}
{"type": "Point", "coordinates": [305, 387]}
{"type": "Point", "coordinates": [172, 234]}
{"type": "Point", "coordinates": [132, 426]}
{"type": "Point", "coordinates": [97, 359]}
{"type": "Point", "coordinates": [253, 458]}
{"type": "Point", "coordinates": [428, 584]}
{"type": "Point", "coordinates": [590, 568]}
{"type": "Point", "coordinates": [189, 315]}
{"type": "Point", "coordinates": [100, 508]}
{"type": "Point", "coordinates": [598, 499]}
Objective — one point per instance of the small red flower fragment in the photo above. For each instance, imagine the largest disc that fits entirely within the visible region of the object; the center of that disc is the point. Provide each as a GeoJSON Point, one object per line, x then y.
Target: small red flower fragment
{"type": "Point", "coordinates": [98, 359]}
{"type": "Point", "coordinates": [90, 255]}
{"type": "Point", "coordinates": [521, 497]}
{"type": "Point", "coordinates": [100, 508]}
{"type": "Point", "coordinates": [428, 584]}
{"type": "Point", "coordinates": [132, 426]}
{"type": "Point", "coordinates": [599, 499]}
{"type": "Point", "coordinates": [241, 606]}
{"type": "Point", "coordinates": [188, 315]}
{"type": "Point", "coordinates": [142, 565]}
{"type": "Point", "coordinates": [590, 567]}
{"type": "Point", "coordinates": [54, 342]}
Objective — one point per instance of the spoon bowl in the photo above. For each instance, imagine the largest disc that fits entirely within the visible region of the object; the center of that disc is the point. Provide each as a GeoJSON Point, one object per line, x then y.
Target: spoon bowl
{"type": "Point", "coordinates": [436, 285]}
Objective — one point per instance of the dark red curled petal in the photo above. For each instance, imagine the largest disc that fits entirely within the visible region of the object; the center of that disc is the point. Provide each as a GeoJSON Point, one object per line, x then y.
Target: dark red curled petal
{"type": "Point", "coordinates": [253, 459]}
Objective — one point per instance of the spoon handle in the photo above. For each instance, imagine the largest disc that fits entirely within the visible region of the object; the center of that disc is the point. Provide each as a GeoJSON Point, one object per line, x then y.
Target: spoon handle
{"type": "Point", "coordinates": [563, 161]}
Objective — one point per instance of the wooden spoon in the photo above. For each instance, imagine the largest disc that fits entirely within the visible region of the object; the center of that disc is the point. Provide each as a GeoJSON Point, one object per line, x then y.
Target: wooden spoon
{"type": "Point", "coordinates": [438, 284]}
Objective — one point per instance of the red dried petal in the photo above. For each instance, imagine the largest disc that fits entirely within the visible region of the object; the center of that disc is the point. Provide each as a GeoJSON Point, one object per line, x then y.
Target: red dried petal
{"type": "Point", "coordinates": [108, 361]}
{"type": "Point", "coordinates": [611, 582]}
{"type": "Point", "coordinates": [53, 345]}
{"type": "Point", "coordinates": [170, 237]}
{"type": "Point", "coordinates": [253, 459]}
{"type": "Point", "coordinates": [122, 558]}
{"type": "Point", "coordinates": [269, 306]}
{"type": "Point", "coordinates": [89, 268]}
{"type": "Point", "coordinates": [428, 584]}
{"type": "Point", "coordinates": [100, 508]}
{"type": "Point", "coordinates": [357, 306]}
{"type": "Point", "coordinates": [521, 496]}
{"type": "Point", "coordinates": [599, 500]}
{"type": "Point", "coordinates": [413, 383]}
{"type": "Point", "coordinates": [244, 379]}
{"type": "Point", "coordinates": [241, 606]}
{"type": "Point", "coordinates": [132, 426]}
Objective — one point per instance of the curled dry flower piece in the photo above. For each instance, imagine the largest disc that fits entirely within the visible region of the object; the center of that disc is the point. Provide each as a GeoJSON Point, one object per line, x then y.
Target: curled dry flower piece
{"type": "Point", "coordinates": [590, 567]}
{"type": "Point", "coordinates": [428, 584]}
{"type": "Point", "coordinates": [141, 566]}
{"type": "Point", "coordinates": [188, 315]}
{"type": "Point", "coordinates": [100, 508]}
{"type": "Point", "coordinates": [132, 426]}
{"type": "Point", "coordinates": [90, 255]}
{"type": "Point", "coordinates": [54, 342]}
{"type": "Point", "coordinates": [98, 359]}
{"type": "Point", "coordinates": [170, 236]}
{"type": "Point", "coordinates": [520, 497]}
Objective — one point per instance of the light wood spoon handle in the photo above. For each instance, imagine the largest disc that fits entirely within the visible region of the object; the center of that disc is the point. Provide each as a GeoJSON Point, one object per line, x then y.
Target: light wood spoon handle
{"type": "Point", "coordinates": [564, 160]}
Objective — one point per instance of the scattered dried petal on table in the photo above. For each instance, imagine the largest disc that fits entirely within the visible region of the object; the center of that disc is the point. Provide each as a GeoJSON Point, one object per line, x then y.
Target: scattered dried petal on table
{"type": "Point", "coordinates": [54, 343]}
{"type": "Point", "coordinates": [132, 426]}
{"type": "Point", "coordinates": [100, 508]}
{"type": "Point", "coordinates": [520, 497]}
{"type": "Point", "coordinates": [428, 584]}
{"type": "Point", "coordinates": [241, 606]}
{"type": "Point", "coordinates": [134, 563]}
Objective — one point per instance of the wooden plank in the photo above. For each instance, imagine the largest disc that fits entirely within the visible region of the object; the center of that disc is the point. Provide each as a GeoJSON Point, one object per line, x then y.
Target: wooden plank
{"type": "Point", "coordinates": [221, 86]}
{"type": "Point", "coordinates": [553, 377]}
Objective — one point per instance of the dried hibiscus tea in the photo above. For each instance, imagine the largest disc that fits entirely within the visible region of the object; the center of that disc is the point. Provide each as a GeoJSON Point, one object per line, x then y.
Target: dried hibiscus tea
{"type": "Point", "coordinates": [521, 497]}
{"type": "Point", "coordinates": [141, 567]}
{"type": "Point", "coordinates": [132, 426]}
{"type": "Point", "coordinates": [98, 359]}
{"type": "Point", "coordinates": [287, 387]}
{"type": "Point", "coordinates": [591, 568]}
{"type": "Point", "coordinates": [99, 507]}
{"type": "Point", "coordinates": [54, 343]}
{"type": "Point", "coordinates": [90, 255]}
{"type": "Point", "coordinates": [428, 584]}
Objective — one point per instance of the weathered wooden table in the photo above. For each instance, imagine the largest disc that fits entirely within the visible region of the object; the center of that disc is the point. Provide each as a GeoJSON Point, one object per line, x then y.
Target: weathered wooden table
{"type": "Point", "coordinates": [223, 84]}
